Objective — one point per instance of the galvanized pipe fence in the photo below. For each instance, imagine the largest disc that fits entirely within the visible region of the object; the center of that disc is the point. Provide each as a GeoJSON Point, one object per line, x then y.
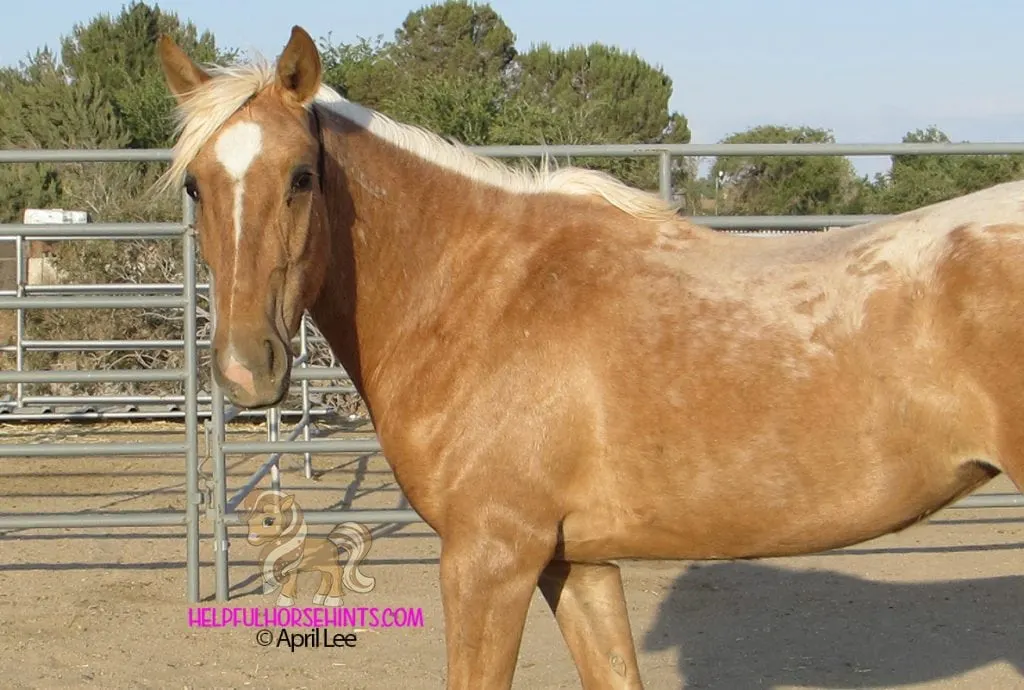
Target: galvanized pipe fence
{"type": "Point", "coordinates": [195, 406]}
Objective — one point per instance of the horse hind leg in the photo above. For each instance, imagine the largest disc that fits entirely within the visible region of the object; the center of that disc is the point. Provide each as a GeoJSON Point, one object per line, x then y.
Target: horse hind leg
{"type": "Point", "coordinates": [324, 587]}
{"type": "Point", "coordinates": [332, 575]}
{"type": "Point", "coordinates": [590, 607]}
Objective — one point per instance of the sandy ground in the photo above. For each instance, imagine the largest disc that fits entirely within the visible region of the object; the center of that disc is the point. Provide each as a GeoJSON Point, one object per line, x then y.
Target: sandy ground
{"type": "Point", "coordinates": [938, 606]}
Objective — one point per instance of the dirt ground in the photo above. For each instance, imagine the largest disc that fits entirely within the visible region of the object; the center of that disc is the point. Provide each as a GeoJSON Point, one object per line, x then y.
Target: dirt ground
{"type": "Point", "coordinates": [938, 606]}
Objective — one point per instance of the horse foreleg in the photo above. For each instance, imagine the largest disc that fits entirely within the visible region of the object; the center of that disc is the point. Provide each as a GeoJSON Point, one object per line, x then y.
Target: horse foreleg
{"type": "Point", "coordinates": [590, 606]}
{"type": "Point", "coordinates": [288, 585]}
{"type": "Point", "coordinates": [486, 586]}
{"type": "Point", "coordinates": [1015, 469]}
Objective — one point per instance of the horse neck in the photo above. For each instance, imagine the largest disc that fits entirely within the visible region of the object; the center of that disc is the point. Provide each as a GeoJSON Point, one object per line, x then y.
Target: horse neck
{"type": "Point", "coordinates": [394, 226]}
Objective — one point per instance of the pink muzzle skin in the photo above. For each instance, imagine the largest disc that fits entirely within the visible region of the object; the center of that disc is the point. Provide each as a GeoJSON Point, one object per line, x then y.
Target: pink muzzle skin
{"type": "Point", "coordinates": [239, 375]}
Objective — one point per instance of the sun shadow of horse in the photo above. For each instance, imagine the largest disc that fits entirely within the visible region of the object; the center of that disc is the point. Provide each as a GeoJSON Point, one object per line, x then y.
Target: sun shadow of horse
{"type": "Point", "coordinates": [750, 625]}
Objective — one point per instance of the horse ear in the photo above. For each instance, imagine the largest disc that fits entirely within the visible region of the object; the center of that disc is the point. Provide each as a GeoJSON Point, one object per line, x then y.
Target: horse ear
{"type": "Point", "coordinates": [286, 503]}
{"type": "Point", "coordinates": [299, 68]}
{"type": "Point", "coordinates": [182, 74]}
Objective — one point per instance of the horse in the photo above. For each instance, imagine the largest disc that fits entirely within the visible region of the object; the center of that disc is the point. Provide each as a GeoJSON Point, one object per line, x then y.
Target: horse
{"type": "Point", "coordinates": [276, 524]}
{"type": "Point", "coordinates": [563, 372]}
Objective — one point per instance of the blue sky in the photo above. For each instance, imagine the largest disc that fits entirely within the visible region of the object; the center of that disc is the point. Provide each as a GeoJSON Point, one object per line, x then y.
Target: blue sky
{"type": "Point", "coordinates": [869, 70]}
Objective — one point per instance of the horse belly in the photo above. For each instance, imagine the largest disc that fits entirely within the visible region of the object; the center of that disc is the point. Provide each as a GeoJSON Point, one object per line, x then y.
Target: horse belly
{"type": "Point", "coordinates": [744, 462]}
{"type": "Point", "coordinates": [738, 518]}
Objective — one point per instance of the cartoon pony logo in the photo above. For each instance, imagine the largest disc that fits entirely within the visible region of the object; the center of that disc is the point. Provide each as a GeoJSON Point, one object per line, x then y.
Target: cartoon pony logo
{"type": "Point", "coordinates": [276, 524]}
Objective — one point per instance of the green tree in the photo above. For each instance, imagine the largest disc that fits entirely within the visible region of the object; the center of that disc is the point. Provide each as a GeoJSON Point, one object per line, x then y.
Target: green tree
{"type": "Point", "coordinates": [916, 181]}
{"type": "Point", "coordinates": [616, 96]}
{"type": "Point", "coordinates": [592, 94]}
{"type": "Point", "coordinates": [117, 52]}
{"type": "Point", "coordinates": [41, 108]}
{"type": "Point", "coordinates": [454, 69]}
{"type": "Point", "coordinates": [462, 107]}
{"type": "Point", "coordinates": [454, 38]}
{"type": "Point", "coordinates": [106, 92]}
{"type": "Point", "coordinates": [362, 71]}
{"type": "Point", "coordinates": [784, 185]}
{"type": "Point", "coordinates": [444, 69]}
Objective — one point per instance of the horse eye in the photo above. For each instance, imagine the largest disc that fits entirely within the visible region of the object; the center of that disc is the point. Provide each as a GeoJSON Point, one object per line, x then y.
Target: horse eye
{"type": "Point", "coordinates": [268, 521]}
{"type": "Point", "coordinates": [191, 188]}
{"type": "Point", "coordinates": [302, 182]}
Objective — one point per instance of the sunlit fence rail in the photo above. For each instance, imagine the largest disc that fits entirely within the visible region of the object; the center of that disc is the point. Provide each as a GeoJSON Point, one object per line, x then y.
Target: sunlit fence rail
{"type": "Point", "coordinates": [204, 410]}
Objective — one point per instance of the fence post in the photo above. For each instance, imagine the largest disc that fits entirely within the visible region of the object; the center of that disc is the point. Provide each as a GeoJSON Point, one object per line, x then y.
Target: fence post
{"type": "Point", "coordinates": [192, 494]}
{"type": "Point", "coordinates": [19, 328]}
{"type": "Point", "coordinates": [274, 435]}
{"type": "Point", "coordinates": [665, 175]}
{"type": "Point", "coordinates": [220, 489]}
{"type": "Point", "coordinates": [306, 419]}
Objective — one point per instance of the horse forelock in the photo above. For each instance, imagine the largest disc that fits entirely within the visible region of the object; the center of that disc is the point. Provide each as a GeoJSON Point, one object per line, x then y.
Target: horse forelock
{"type": "Point", "coordinates": [208, 107]}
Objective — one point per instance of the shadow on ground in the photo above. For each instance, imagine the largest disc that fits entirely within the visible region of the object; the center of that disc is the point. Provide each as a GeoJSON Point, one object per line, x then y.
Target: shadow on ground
{"type": "Point", "coordinates": [741, 625]}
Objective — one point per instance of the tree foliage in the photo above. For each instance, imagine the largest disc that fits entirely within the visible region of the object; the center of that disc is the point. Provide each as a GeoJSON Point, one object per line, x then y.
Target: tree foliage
{"type": "Point", "coordinates": [593, 94]}
{"type": "Point", "coordinates": [118, 53]}
{"type": "Point", "coordinates": [455, 39]}
{"type": "Point", "coordinates": [105, 91]}
{"type": "Point", "coordinates": [780, 185]}
{"type": "Point", "coordinates": [916, 181]}
{"type": "Point", "coordinates": [454, 68]}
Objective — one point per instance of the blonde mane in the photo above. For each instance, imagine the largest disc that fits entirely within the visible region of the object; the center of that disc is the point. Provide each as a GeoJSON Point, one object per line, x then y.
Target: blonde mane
{"type": "Point", "coordinates": [229, 88]}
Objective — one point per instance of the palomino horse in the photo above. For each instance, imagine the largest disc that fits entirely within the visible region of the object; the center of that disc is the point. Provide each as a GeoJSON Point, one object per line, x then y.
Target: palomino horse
{"type": "Point", "coordinates": [276, 525]}
{"type": "Point", "coordinates": [562, 372]}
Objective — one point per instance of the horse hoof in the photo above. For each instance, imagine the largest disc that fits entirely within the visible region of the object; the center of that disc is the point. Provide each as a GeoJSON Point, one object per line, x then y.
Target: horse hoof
{"type": "Point", "coordinates": [285, 601]}
{"type": "Point", "coordinates": [332, 601]}
{"type": "Point", "coordinates": [319, 599]}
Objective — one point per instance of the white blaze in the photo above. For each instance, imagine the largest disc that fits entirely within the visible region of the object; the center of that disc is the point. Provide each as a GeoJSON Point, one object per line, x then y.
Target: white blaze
{"type": "Point", "coordinates": [236, 148]}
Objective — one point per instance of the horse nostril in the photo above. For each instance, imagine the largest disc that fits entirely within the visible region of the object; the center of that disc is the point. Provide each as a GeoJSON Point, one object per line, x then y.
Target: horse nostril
{"type": "Point", "coordinates": [270, 355]}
